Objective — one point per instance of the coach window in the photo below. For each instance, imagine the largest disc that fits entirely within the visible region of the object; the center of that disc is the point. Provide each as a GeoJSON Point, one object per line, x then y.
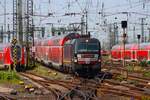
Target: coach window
{"type": "Point", "coordinates": [118, 53]}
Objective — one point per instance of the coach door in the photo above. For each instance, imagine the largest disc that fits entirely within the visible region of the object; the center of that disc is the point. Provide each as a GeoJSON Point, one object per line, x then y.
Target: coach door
{"type": "Point", "coordinates": [133, 55]}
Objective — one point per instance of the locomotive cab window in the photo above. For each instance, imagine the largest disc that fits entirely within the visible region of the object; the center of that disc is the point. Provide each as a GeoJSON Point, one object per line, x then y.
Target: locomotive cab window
{"type": "Point", "coordinates": [88, 47]}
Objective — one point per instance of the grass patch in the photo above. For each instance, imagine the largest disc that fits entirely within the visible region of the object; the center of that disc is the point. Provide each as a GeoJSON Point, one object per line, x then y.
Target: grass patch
{"type": "Point", "coordinates": [120, 78]}
{"type": "Point", "coordinates": [147, 74]}
{"type": "Point", "coordinates": [43, 71]}
{"type": "Point", "coordinates": [40, 70]}
{"type": "Point", "coordinates": [9, 77]}
{"type": "Point", "coordinates": [145, 98]}
{"type": "Point", "coordinates": [130, 68]}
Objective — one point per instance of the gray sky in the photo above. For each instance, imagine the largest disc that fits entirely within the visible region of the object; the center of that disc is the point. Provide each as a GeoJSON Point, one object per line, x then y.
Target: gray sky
{"type": "Point", "coordinates": [112, 9]}
{"type": "Point", "coordinates": [60, 7]}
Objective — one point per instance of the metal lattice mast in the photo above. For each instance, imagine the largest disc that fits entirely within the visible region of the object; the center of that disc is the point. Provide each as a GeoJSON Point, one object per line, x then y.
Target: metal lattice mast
{"type": "Point", "coordinates": [19, 21]}
{"type": "Point", "coordinates": [14, 18]}
{"type": "Point", "coordinates": [29, 18]}
{"type": "Point", "coordinates": [29, 34]}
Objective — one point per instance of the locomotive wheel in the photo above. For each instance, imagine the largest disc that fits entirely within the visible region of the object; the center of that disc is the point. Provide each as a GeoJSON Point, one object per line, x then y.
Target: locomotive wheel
{"type": "Point", "coordinates": [65, 69]}
{"type": "Point", "coordinates": [50, 65]}
{"type": "Point", "coordinates": [69, 70]}
{"type": "Point", "coordinates": [72, 68]}
{"type": "Point", "coordinates": [62, 68]}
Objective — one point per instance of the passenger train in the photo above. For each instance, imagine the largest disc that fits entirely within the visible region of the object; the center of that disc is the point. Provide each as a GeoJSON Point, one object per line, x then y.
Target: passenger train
{"type": "Point", "coordinates": [133, 52]}
{"type": "Point", "coordinates": [7, 55]}
{"type": "Point", "coordinates": [70, 53]}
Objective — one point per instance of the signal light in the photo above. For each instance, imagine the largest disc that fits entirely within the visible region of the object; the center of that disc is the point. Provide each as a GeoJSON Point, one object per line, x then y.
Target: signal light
{"type": "Point", "coordinates": [124, 24]}
{"type": "Point", "coordinates": [124, 35]}
{"type": "Point", "coordinates": [138, 36]}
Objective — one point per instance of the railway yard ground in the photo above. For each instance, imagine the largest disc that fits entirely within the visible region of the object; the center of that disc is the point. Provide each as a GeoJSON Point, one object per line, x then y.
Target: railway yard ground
{"type": "Point", "coordinates": [44, 83]}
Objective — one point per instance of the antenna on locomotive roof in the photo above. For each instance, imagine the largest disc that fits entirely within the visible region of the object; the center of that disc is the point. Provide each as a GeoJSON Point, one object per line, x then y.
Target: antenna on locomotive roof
{"type": "Point", "coordinates": [88, 35]}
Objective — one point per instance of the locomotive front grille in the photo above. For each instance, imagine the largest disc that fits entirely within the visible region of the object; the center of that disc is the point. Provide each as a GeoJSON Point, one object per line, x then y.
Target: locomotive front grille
{"type": "Point", "coordinates": [87, 58]}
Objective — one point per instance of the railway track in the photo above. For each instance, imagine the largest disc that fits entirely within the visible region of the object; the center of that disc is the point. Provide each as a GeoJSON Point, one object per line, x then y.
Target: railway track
{"type": "Point", "coordinates": [66, 90]}
{"type": "Point", "coordinates": [114, 87]}
{"type": "Point", "coordinates": [48, 84]}
{"type": "Point", "coordinates": [6, 97]}
{"type": "Point", "coordinates": [138, 90]}
{"type": "Point", "coordinates": [130, 75]}
{"type": "Point", "coordinates": [133, 76]}
{"type": "Point", "coordinates": [86, 89]}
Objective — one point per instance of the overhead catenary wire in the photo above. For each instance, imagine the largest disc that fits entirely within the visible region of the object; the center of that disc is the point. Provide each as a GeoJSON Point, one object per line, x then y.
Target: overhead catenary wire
{"type": "Point", "coordinates": [125, 5]}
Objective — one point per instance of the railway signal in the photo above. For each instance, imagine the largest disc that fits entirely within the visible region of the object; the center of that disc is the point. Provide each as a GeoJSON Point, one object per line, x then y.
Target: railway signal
{"type": "Point", "coordinates": [124, 26]}
{"type": "Point", "coordinates": [138, 37]}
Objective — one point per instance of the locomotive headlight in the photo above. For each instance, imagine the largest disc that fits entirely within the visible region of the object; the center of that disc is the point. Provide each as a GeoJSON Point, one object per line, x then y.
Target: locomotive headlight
{"type": "Point", "coordinates": [96, 56]}
{"type": "Point", "coordinates": [79, 55]}
{"type": "Point", "coordinates": [75, 60]}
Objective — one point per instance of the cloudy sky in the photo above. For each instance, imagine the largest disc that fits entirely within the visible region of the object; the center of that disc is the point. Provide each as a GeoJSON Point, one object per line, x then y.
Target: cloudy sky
{"type": "Point", "coordinates": [113, 10]}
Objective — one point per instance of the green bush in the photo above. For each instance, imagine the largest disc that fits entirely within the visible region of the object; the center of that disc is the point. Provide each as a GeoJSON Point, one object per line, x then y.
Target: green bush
{"type": "Point", "coordinates": [143, 63]}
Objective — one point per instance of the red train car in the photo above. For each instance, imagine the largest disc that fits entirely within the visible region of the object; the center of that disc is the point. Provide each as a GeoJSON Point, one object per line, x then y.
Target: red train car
{"type": "Point", "coordinates": [69, 53]}
{"type": "Point", "coordinates": [133, 52]}
{"type": "Point", "coordinates": [6, 55]}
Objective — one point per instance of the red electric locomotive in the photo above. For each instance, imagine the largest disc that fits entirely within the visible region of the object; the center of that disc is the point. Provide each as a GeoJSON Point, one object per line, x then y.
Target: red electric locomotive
{"type": "Point", "coordinates": [6, 55]}
{"type": "Point", "coordinates": [133, 52]}
{"type": "Point", "coordinates": [70, 53]}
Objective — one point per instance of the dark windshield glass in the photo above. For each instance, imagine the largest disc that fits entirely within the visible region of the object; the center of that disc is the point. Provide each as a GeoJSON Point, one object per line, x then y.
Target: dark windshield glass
{"type": "Point", "coordinates": [88, 47]}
